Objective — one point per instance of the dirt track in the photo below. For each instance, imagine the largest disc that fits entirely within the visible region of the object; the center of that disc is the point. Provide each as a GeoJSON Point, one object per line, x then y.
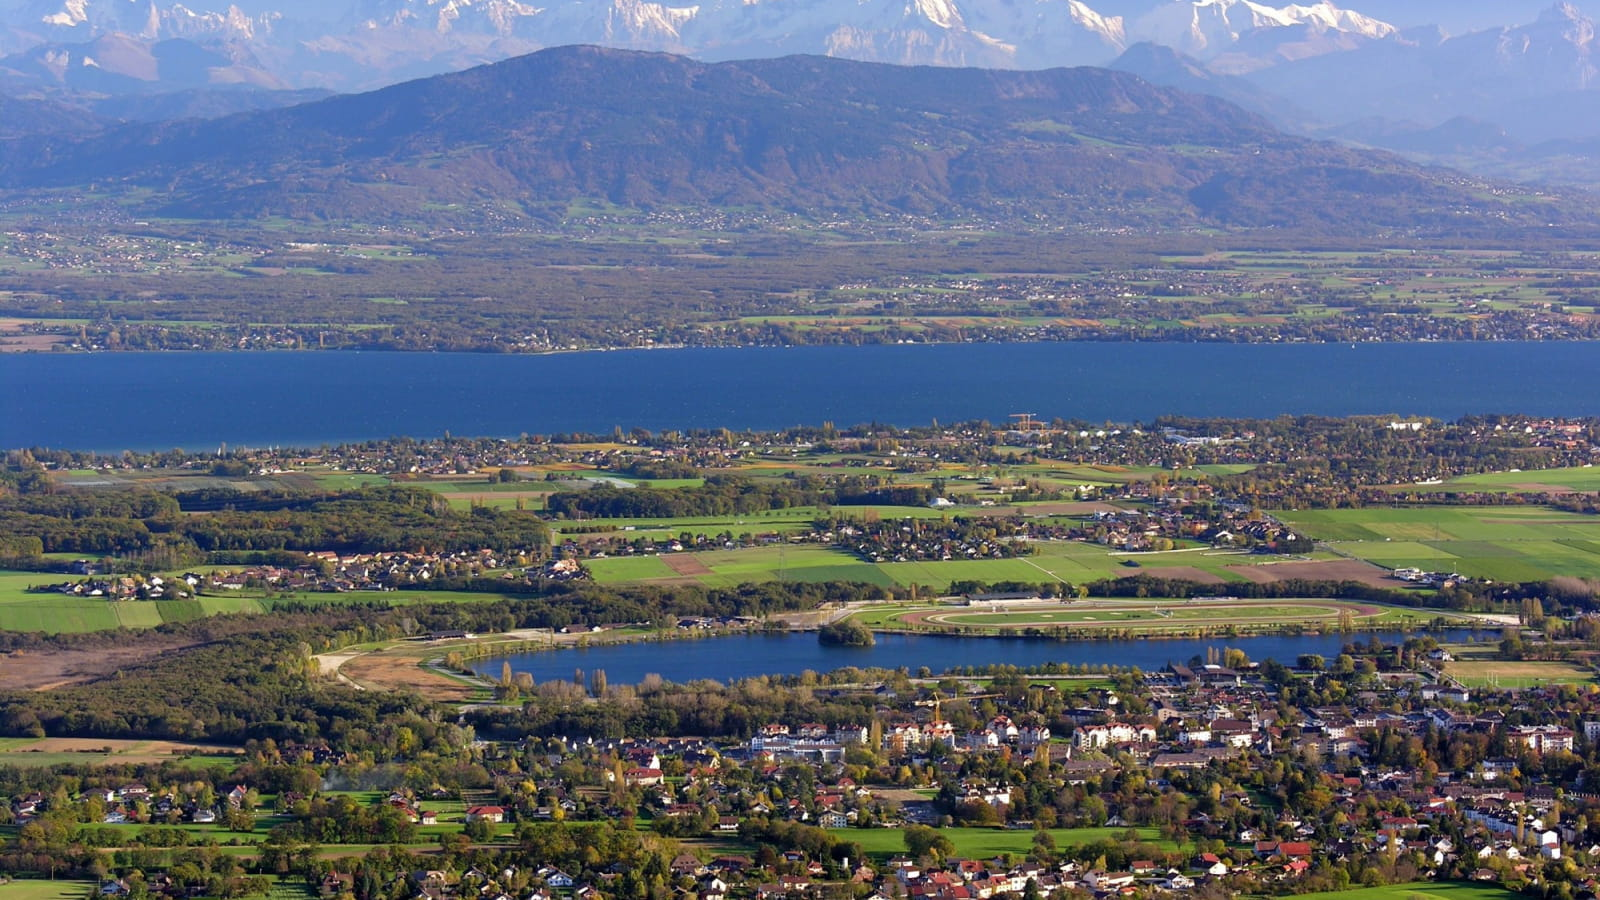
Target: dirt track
{"type": "Point", "coordinates": [393, 673]}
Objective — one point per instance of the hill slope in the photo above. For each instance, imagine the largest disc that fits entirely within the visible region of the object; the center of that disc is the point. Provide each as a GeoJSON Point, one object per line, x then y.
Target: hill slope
{"type": "Point", "coordinates": [808, 135]}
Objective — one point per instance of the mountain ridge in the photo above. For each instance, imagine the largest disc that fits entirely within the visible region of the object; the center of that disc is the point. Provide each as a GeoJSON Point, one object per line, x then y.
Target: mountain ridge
{"type": "Point", "coordinates": [801, 135]}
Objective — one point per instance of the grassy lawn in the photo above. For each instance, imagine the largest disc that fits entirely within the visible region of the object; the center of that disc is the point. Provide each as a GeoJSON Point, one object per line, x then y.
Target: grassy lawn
{"type": "Point", "coordinates": [46, 890]}
{"type": "Point", "coordinates": [1476, 667]}
{"type": "Point", "coordinates": [58, 613]}
{"type": "Point", "coordinates": [1579, 478]}
{"type": "Point", "coordinates": [1421, 890]}
{"type": "Point", "coordinates": [786, 563]}
{"type": "Point", "coordinates": [1141, 615]}
{"type": "Point", "coordinates": [983, 843]}
{"type": "Point", "coordinates": [729, 568]}
{"type": "Point", "coordinates": [340, 481]}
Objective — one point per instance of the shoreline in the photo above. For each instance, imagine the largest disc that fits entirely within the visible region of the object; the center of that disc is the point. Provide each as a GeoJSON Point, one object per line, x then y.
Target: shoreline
{"type": "Point", "coordinates": [1166, 338]}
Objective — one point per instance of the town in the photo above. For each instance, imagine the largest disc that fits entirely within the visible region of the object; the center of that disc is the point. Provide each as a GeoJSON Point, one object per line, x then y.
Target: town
{"type": "Point", "coordinates": [1201, 780]}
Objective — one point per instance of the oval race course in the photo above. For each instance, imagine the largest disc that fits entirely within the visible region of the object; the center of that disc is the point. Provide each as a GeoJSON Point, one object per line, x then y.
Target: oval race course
{"type": "Point", "coordinates": [1149, 615]}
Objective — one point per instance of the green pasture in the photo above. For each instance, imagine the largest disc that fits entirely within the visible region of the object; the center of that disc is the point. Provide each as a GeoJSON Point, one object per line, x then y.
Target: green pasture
{"type": "Point", "coordinates": [1519, 543]}
{"type": "Point", "coordinates": [787, 563]}
{"type": "Point", "coordinates": [1476, 665]}
{"type": "Point", "coordinates": [1075, 562]}
{"type": "Point", "coordinates": [986, 843]}
{"type": "Point", "coordinates": [1070, 562]}
{"type": "Point", "coordinates": [31, 889]}
{"type": "Point", "coordinates": [1226, 468]}
{"type": "Point", "coordinates": [1174, 612]}
{"type": "Point", "coordinates": [286, 889]}
{"type": "Point", "coordinates": [484, 487]}
{"type": "Point", "coordinates": [62, 613]}
{"type": "Point", "coordinates": [339, 481]}
{"type": "Point", "coordinates": [1420, 890]}
{"type": "Point", "coordinates": [1580, 478]}
{"type": "Point", "coordinates": [1149, 616]}
{"type": "Point", "coordinates": [780, 521]}
{"type": "Point", "coordinates": [729, 568]}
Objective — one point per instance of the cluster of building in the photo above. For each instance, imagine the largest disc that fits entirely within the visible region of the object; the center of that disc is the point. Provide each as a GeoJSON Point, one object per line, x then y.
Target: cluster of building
{"type": "Point", "coordinates": [134, 802]}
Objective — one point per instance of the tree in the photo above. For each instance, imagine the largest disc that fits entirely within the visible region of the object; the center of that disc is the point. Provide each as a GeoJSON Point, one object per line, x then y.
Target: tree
{"type": "Point", "coordinates": [479, 830]}
{"type": "Point", "coordinates": [1044, 846]}
{"type": "Point", "coordinates": [924, 841]}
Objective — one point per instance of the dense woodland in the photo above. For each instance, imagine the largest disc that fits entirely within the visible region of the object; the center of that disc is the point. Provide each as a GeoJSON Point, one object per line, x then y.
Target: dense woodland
{"type": "Point", "coordinates": [725, 495]}
{"type": "Point", "coordinates": [157, 526]}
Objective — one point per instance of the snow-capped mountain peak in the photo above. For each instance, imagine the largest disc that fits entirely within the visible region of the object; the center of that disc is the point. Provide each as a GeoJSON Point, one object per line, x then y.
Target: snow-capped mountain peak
{"type": "Point", "coordinates": [1204, 28]}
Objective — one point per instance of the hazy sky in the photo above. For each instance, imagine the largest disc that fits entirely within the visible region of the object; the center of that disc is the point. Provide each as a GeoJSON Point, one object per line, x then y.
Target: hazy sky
{"type": "Point", "coordinates": [1458, 16]}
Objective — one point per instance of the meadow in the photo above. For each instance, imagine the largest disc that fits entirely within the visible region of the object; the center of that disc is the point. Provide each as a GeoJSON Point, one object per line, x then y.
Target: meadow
{"type": "Point", "coordinates": [31, 889]}
{"type": "Point", "coordinates": [54, 613]}
{"type": "Point", "coordinates": [1578, 478]}
{"type": "Point", "coordinates": [1063, 562]}
{"type": "Point", "coordinates": [1501, 543]}
{"type": "Point", "coordinates": [987, 843]}
{"type": "Point", "coordinates": [42, 752]}
{"type": "Point", "coordinates": [1420, 890]}
{"type": "Point", "coordinates": [1477, 666]}
{"type": "Point", "coordinates": [1141, 616]}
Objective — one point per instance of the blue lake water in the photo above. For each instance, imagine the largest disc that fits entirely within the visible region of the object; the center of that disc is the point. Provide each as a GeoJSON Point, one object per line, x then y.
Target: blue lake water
{"type": "Point", "coordinates": [743, 656]}
{"type": "Point", "coordinates": [115, 401]}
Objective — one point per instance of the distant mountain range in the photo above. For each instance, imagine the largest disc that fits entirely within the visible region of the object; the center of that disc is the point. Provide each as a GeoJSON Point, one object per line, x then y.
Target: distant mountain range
{"type": "Point", "coordinates": [363, 43]}
{"type": "Point", "coordinates": [805, 135]}
{"type": "Point", "coordinates": [1387, 73]}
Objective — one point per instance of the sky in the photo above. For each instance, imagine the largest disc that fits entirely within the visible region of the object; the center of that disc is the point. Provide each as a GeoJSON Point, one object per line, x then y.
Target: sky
{"type": "Point", "coordinates": [1455, 16]}
{"type": "Point", "coordinates": [1458, 16]}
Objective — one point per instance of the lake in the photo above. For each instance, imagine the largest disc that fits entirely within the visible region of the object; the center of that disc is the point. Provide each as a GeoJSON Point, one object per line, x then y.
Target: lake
{"type": "Point", "coordinates": [143, 401]}
{"type": "Point", "coordinates": [790, 653]}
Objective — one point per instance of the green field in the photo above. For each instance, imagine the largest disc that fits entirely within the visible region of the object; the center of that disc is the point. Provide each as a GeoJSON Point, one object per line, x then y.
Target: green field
{"type": "Point", "coordinates": [1141, 615]}
{"type": "Point", "coordinates": [46, 890]}
{"type": "Point", "coordinates": [1477, 665]}
{"type": "Point", "coordinates": [58, 613]}
{"type": "Point", "coordinates": [1420, 890]}
{"type": "Point", "coordinates": [1579, 478]}
{"type": "Point", "coordinates": [1070, 562]}
{"type": "Point", "coordinates": [1517, 543]}
{"type": "Point", "coordinates": [62, 613]}
{"type": "Point", "coordinates": [40, 752]}
{"type": "Point", "coordinates": [985, 843]}
{"type": "Point", "coordinates": [1170, 613]}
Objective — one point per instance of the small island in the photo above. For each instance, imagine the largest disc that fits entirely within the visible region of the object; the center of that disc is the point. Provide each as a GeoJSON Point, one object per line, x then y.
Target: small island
{"type": "Point", "coordinates": [846, 634]}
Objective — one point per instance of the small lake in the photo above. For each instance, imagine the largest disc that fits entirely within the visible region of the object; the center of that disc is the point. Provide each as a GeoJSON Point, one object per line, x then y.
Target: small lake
{"type": "Point", "coordinates": [150, 401]}
{"type": "Point", "coordinates": [790, 653]}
